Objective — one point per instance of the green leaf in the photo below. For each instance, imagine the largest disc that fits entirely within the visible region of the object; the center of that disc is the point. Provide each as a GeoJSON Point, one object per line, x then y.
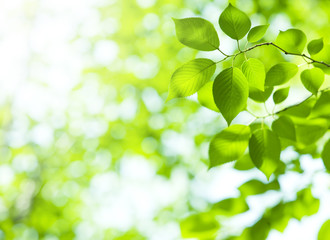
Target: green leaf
{"type": "Point", "coordinates": [302, 109]}
{"type": "Point", "coordinates": [305, 205]}
{"type": "Point", "coordinates": [260, 96]}
{"type": "Point", "coordinates": [312, 79]}
{"type": "Point", "coordinates": [197, 33]}
{"type": "Point", "coordinates": [322, 106]}
{"type": "Point", "coordinates": [256, 33]}
{"type": "Point", "coordinates": [279, 216]}
{"type": "Point", "coordinates": [189, 78]}
{"type": "Point", "coordinates": [254, 126]}
{"type": "Point", "coordinates": [291, 40]}
{"type": "Point", "coordinates": [230, 206]}
{"type": "Point", "coordinates": [284, 127]}
{"type": "Point", "coordinates": [254, 187]}
{"type": "Point", "coordinates": [280, 95]}
{"type": "Point", "coordinates": [308, 132]}
{"type": "Point", "coordinates": [259, 230]}
{"type": "Point", "coordinates": [254, 70]}
{"type": "Point", "coordinates": [205, 97]}
{"type": "Point", "coordinates": [230, 92]}
{"type": "Point", "coordinates": [201, 226]}
{"type": "Point", "coordinates": [234, 22]}
{"type": "Point", "coordinates": [244, 163]}
{"type": "Point", "coordinates": [323, 56]}
{"type": "Point", "coordinates": [265, 150]}
{"type": "Point", "coordinates": [315, 46]}
{"type": "Point", "coordinates": [324, 231]}
{"type": "Point", "coordinates": [280, 73]}
{"type": "Point", "coordinates": [229, 145]}
{"type": "Point", "coordinates": [326, 155]}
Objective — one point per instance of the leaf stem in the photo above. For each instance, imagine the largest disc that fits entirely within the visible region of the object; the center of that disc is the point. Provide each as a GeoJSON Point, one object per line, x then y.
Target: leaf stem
{"type": "Point", "coordinates": [252, 114]}
{"type": "Point", "coordinates": [239, 49]}
{"type": "Point", "coordinates": [223, 53]}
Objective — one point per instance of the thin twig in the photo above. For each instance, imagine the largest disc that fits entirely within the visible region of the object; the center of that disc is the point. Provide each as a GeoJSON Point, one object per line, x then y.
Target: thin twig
{"type": "Point", "coordinates": [284, 51]}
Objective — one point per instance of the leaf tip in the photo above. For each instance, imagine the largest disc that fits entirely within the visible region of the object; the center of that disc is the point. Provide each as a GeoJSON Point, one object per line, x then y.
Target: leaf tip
{"type": "Point", "coordinates": [170, 96]}
{"type": "Point", "coordinates": [168, 99]}
{"type": "Point", "coordinates": [229, 121]}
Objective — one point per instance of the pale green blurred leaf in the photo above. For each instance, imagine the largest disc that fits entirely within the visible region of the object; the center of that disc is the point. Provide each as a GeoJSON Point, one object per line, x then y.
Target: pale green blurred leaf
{"type": "Point", "coordinates": [201, 226]}
{"type": "Point", "coordinates": [230, 206]}
{"type": "Point", "coordinates": [324, 231]}
{"type": "Point", "coordinates": [326, 155]}
{"type": "Point", "coordinates": [254, 187]}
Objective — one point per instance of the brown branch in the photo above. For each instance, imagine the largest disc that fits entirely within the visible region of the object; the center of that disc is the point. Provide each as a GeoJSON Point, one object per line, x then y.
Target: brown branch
{"type": "Point", "coordinates": [284, 51]}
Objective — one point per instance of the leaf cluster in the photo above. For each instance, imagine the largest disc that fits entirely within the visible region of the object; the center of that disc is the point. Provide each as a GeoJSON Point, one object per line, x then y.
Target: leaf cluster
{"type": "Point", "coordinates": [303, 126]}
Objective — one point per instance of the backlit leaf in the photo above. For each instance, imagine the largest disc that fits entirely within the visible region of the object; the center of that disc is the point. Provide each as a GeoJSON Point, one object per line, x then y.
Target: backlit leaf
{"type": "Point", "coordinates": [256, 33]}
{"type": "Point", "coordinates": [280, 95]}
{"type": "Point", "coordinates": [202, 225]}
{"type": "Point", "coordinates": [254, 71]}
{"type": "Point", "coordinates": [305, 205]}
{"type": "Point", "coordinates": [265, 149]}
{"type": "Point", "coordinates": [230, 206]}
{"type": "Point", "coordinates": [310, 131]}
{"type": "Point", "coordinates": [302, 109]}
{"type": "Point", "coordinates": [254, 187]}
{"type": "Point", "coordinates": [205, 97]}
{"type": "Point", "coordinates": [234, 22]}
{"type": "Point", "coordinates": [189, 78]}
{"type": "Point", "coordinates": [291, 40]}
{"type": "Point", "coordinates": [244, 163]}
{"type": "Point", "coordinates": [322, 106]}
{"type": "Point", "coordinates": [323, 56]}
{"type": "Point", "coordinates": [197, 33]}
{"type": "Point", "coordinates": [230, 92]}
{"type": "Point", "coordinates": [229, 145]}
{"type": "Point", "coordinates": [315, 46]}
{"type": "Point", "coordinates": [312, 79]}
{"type": "Point", "coordinates": [280, 73]}
{"type": "Point", "coordinates": [260, 96]}
{"type": "Point", "coordinates": [324, 231]}
{"type": "Point", "coordinates": [284, 127]}
{"type": "Point", "coordinates": [326, 155]}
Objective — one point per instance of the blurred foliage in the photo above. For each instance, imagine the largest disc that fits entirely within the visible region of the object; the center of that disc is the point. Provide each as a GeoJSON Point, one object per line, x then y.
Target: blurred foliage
{"type": "Point", "coordinates": [116, 133]}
